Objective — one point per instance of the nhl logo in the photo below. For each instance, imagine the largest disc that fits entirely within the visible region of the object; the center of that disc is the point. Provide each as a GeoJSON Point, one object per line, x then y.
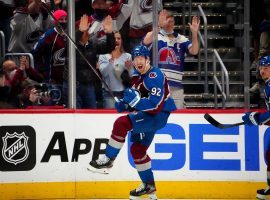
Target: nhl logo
{"type": "Point", "coordinates": [15, 147]}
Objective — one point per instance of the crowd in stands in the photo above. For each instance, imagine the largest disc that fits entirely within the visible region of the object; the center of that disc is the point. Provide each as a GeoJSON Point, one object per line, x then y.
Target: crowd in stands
{"type": "Point", "coordinates": [106, 32]}
{"type": "Point", "coordinates": [260, 34]}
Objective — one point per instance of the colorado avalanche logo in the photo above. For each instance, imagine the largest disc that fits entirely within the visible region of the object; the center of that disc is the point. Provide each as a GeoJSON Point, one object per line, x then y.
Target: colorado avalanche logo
{"type": "Point", "coordinates": [146, 5]}
{"type": "Point", "coordinates": [59, 57]}
{"type": "Point", "coordinates": [15, 149]}
{"type": "Point", "coordinates": [153, 75]}
{"type": "Point", "coordinates": [167, 56]}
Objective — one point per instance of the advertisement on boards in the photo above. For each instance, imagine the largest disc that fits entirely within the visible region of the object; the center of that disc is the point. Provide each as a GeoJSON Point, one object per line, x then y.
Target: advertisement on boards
{"type": "Point", "coordinates": [59, 147]}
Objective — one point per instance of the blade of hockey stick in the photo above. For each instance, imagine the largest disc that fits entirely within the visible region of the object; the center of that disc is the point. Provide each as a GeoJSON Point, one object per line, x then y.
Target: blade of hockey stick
{"type": "Point", "coordinates": [215, 123]}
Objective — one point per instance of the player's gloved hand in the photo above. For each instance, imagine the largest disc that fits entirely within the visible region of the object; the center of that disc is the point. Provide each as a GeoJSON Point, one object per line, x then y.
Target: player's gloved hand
{"type": "Point", "coordinates": [256, 118]}
{"type": "Point", "coordinates": [131, 97]}
{"type": "Point", "coordinates": [120, 106]}
{"type": "Point", "coordinates": [251, 118]}
{"type": "Point", "coordinates": [137, 137]}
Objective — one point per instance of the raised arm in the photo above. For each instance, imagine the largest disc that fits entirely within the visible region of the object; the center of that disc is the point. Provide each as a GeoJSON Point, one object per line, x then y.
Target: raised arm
{"type": "Point", "coordinates": [194, 28]}
{"type": "Point", "coordinates": [162, 21]}
{"type": "Point", "coordinates": [82, 34]}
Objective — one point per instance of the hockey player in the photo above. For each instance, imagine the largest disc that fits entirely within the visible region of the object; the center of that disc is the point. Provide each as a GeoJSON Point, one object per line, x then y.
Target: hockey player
{"type": "Point", "coordinates": [256, 118]}
{"type": "Point", "coordinates": [150, 101]}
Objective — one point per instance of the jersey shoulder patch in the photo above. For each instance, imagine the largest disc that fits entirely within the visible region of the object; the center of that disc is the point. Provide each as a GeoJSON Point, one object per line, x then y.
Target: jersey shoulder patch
{"type": "Point", "coordinates": [152, 75]}
{"type": "Point", "coordinates": [154, 78]}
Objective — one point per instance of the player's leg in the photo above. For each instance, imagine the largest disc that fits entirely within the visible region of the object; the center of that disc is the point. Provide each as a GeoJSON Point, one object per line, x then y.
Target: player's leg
{"type": "Point", "coordinates": [143, 165]}
{"type": "Point", "coordinates": [265, 193]}
{"type": "Point", "coordinates": [144, 122]}
{"type": "Point", "coordinates": [120, 129]}
{"type": "Point", "coordinates": [144, 128]}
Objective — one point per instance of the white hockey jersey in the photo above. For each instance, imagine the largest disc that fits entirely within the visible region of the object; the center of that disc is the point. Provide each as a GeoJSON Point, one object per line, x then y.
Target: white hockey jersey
{"type": "Point", "coordinates": [140, 13]}
{"type": "Point", "coordinates": [171, 57]}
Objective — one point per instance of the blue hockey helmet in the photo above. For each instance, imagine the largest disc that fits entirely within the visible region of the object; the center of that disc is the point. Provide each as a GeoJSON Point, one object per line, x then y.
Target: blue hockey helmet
{"type": "Point", "coordinates": [140, 50]}
{"type": "Point", "coordinates": [264, 61]}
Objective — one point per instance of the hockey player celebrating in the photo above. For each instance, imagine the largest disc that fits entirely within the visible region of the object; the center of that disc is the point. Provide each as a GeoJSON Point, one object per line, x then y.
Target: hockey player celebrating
{"type": "Point", "coordinates": [151, 105]}
{"type": "Point", "coordinates": [256, 118]}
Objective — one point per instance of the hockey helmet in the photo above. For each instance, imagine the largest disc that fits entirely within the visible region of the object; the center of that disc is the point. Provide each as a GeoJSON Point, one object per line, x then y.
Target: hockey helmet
{"type": "Point", "coordinates": [140, 50]}
{"type": "Point", "coordinates": [264, 61]}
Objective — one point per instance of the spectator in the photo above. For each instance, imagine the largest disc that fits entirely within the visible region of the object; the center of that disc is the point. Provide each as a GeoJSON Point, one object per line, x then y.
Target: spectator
{"type": "Point", "coordinates": [134, 18]}
{"type": "Point", "coordinates": [95, 29]}
{"type": "Point", "coordinates": [82, 8]}
{"type": "Point", "coordinates": [264, 47]}
{"type": "Point", "coordinates": [96, 32]}
{"type": "Point", "coordinates": [50, 52]}
{"type": "Point", "coordinates": [87, 82]}
{"type": "Point", "coordinates": [4, 88]}
{"type": "Point", "coordinates": [56, 4]}
{"type": "Point", "coordinates": [7, 8]}
{"type": "Point", "coordinates": [52, 6]}
{"type": "Point", "coordinates": [172, 48]}
{"type": "Point", "coordinates": [40, 96]}
{"type": "Point", "coordinates": [14, 86]}
{"type": "Point", "coordinates": [28, 24]}
{"type": "Point", "coordinates": [256, 17]}
{"type": "Point", "coordinates": [116, 69]}
{"type": "Point", "coordinates": [17, 76]}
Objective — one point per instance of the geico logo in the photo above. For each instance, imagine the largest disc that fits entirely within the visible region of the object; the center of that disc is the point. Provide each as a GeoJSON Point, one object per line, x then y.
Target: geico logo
{"type": "Point", "coordinates": [81, 147]}
{"type": "Point", "coordinates": [198, 147]}
{"type": "Point", "coordinates": [205, 147]}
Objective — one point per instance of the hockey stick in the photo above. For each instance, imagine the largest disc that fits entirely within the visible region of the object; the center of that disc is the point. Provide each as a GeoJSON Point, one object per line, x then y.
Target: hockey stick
{"type": "Point", "coordinates": [79, 51]}
{"type": "Point", "coordinates": [215, 123]}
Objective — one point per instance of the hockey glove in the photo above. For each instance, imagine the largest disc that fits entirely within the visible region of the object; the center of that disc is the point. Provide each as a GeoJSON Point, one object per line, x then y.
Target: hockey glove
{"type": "Point", "coordinates": [136, 137]}
{"type": "Point", "coordinates": [256, 118]}
{"type": "Point", "coordinates": [121, 106]}
{"type": "Point", "coordinates": [131, 97]}
{"type": "Point", "coordinates": [251, 118]}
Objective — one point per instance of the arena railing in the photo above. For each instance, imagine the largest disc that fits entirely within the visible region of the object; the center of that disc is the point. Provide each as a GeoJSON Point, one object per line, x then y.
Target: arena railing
{"type": "Point", "coordinates": [16, 58]}
{"type": "Point", "coordinates": [224, 75]}
{"type": "Point", "coordinates": [203, 41]}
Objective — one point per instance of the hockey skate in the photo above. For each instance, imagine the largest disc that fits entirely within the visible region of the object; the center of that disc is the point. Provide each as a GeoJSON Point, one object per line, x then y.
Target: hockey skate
{"type": "Point", "coordinates": [263, 193]}
{"type": "Point", "coordinates": [145, 189]}
{"type": "Point", "coordinates": [101, 165]}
